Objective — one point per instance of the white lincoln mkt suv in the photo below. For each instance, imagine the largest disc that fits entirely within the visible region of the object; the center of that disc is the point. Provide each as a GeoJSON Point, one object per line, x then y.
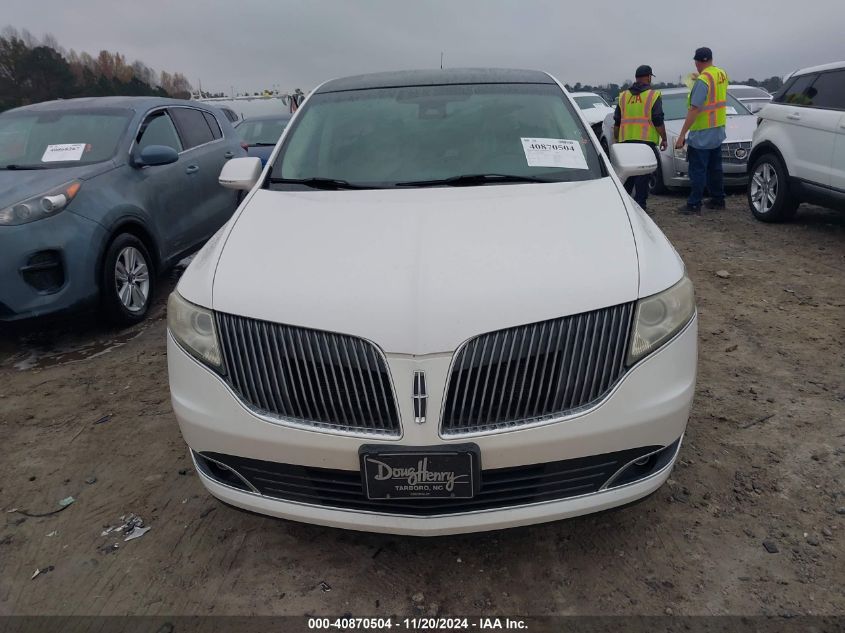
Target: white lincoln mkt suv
{"type": "Point", "coordinates": [435, 311]}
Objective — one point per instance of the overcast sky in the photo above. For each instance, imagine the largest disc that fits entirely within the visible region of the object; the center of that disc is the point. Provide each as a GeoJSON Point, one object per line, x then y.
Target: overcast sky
{"type": "Point", "coordinates": [256, 44]}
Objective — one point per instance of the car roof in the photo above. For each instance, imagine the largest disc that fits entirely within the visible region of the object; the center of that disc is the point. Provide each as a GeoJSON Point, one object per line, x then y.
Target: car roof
{"type": "Point", "coordinates": [437, 77]}
{"type": "Point", "coordinates": [747, 86]}
{"type": "Point", "coordinates": [585, 94]}
{"type": "Point", "coordinates": [137, 104]}
{"type": "Point", "coordinates": [674, 91]}
{"type": "Point", "coordinates": [815, 69]}
{"type": "Point", "coordinates": [269, 117]}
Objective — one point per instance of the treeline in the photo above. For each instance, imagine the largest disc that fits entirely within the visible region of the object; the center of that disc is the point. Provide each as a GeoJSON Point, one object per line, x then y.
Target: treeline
{"type": "Point", "coordinates": [33, 70]}
{"type": "Point", "coordinates": [611, 91]}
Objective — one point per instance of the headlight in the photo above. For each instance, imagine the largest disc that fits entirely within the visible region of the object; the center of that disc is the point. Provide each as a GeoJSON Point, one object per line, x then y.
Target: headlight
{"type": "Point", "coordinates": [677, 153]}
{"type": "Point", "coordinates": [659, 317]}
{"type": "Point", "coordinates": [41, 206]}
{"type": "Point", "coordinates": [193, 327]}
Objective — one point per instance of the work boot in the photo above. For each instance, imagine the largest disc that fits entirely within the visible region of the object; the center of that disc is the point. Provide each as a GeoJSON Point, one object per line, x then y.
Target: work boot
{"type": "Point", "coordinates": [715, 205]}
{"type": "Point", "coordinates": [689, 210]}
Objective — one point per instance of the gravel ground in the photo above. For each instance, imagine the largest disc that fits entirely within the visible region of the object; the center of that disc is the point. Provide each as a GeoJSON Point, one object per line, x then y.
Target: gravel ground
{"type": "Point", "coordinates": [752, 520]}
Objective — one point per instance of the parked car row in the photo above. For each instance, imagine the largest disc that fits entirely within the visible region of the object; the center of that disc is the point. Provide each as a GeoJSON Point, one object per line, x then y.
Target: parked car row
{"type": "Point", "coordinates": [99, 195]}
{"type": "Point", "coordinates": [788, 148]}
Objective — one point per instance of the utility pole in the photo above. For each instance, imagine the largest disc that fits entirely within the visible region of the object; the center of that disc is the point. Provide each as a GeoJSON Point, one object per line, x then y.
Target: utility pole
{"type": "Point", "coordinates": [441, 60]}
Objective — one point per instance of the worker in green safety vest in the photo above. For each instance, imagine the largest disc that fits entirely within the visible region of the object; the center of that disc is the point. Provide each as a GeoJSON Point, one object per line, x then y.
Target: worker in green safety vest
{"type": "Point", "coordinates": [639, 119]}
{"type": "Point", "coordinates": [705, 122]}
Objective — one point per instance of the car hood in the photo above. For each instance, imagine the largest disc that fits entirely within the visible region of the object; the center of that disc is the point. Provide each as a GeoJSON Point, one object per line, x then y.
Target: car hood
{"type": "Point", "coordinates": [596, 115]}
{"type": "Point", "coordinates": [737, 128]}
{"type": "Point", "coordinates": [18, 185]}
{"type": "Point", "coordinates": [420, 271]}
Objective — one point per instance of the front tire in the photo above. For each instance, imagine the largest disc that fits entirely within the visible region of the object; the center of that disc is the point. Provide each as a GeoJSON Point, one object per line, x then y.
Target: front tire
{"type": "Point", "coordinates": [128, 282]}
{"type": "Point", "coordinates": [768, 192]}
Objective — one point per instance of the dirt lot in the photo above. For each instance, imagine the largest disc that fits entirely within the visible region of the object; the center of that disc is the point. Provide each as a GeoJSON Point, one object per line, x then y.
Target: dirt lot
{"type": "Point", "coordinates": [763, 462]}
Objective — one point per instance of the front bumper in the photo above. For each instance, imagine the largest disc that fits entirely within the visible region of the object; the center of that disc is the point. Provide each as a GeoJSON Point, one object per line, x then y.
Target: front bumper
{"type": "Point", "coordinates": [65, 247]}
{"type": "Point", "coordinates": [676, 172]}
{"type": "Point", "coordinates": [648, 407]}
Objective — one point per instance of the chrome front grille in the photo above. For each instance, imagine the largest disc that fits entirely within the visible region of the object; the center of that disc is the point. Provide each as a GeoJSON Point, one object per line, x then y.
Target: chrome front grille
{"type": "Point", "coordinates": [536, 372]}
{"type": "Point", "coordinates": [309, 377]}
{"type": "Point", "coordinates": [729, 152]}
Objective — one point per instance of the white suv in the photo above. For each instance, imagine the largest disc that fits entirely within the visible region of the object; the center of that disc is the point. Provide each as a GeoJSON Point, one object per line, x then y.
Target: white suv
{"type": "Point", "coordinates": [798, 154]}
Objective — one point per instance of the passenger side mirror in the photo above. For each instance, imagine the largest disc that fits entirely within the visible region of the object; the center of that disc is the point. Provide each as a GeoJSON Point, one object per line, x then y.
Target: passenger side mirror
{"type": "Point", "coordinates": [632, 159]}
{"type": "Point", "coordinates": [241, 173]}
{"type": "Point", "coordinates": [156, 155]}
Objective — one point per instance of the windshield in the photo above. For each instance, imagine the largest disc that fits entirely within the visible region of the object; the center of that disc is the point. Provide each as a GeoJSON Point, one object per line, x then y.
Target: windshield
{"type": "Point", "coordinates": [675, 106]}
{"type": "Point", "coordinates": [749, 92]}
{"type": "Point", "coordinates": [42, 140]}
{"type": "Point", "coordinates": [262, 131]}
{"type": "Point", "coordinates": [402, 136]}
{"type": "Point", "coordinates": [590, 101]}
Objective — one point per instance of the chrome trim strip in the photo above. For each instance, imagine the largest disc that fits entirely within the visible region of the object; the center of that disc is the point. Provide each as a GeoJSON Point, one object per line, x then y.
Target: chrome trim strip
{"type": "Point", "coordinates": [165, 107]}
{"type": "Point", "coordinates": [615, 475]}
{"type": "Point", "coordinates": [429, 517]}
{"type": "Point", "coordinates": [229, 468]}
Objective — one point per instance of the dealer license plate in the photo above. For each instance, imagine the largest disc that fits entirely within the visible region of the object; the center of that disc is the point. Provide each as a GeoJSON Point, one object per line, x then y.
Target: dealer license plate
{"type": "Point", "coordinates": [451, 472]}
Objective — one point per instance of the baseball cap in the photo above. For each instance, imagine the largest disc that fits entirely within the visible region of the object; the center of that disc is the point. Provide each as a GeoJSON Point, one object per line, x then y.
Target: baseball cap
{"type": "Point", "coordinates": [643, 70]}
{"type": "Point", "coordinates": [703, 54]}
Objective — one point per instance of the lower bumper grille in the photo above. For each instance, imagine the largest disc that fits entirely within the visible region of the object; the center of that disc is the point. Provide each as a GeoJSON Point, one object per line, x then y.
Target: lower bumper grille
{"type": "Point", "coordinates": [500, 487]}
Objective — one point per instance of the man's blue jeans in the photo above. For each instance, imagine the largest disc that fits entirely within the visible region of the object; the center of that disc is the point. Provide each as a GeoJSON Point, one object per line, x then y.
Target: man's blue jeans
{"type": "Point", "coordinates": [705, 170]}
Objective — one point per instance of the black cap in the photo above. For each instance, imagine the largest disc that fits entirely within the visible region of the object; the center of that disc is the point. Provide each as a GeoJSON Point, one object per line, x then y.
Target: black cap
{"type": "Point", "coordinates": [703, 54]}
{"type": "Point", "coordinates": [643, 71]}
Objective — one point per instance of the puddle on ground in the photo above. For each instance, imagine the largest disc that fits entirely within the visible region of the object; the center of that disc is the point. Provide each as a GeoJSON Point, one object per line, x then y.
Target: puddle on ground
{"type": "Point", "coordinates": [78, 340]}
{"type": "Point", "coordinates": [41, 355]}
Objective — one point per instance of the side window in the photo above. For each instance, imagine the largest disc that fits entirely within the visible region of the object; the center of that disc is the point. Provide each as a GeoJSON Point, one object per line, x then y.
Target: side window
{"type": "Point", "coordinates": [213, 124]}
{"type": "Point", "coordinates": [828, 91]}
{"type": "Point", "coordinates": [798, 91]}
{"type": "Point", "coordinates": [158, 129]}
{"type": "Point", "coordinates": [193, 128]}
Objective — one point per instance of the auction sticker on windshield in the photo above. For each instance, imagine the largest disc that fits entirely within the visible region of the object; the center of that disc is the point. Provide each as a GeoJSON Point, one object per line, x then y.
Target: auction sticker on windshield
{"type": "Point", "coordinates": [554, 152]}
{"type": "Point", "coordinates": [68, 151]}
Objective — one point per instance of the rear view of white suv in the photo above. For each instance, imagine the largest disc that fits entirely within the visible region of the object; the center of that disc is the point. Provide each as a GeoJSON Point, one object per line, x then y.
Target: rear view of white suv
{"type": "Point", "coordinates": [798, 154]}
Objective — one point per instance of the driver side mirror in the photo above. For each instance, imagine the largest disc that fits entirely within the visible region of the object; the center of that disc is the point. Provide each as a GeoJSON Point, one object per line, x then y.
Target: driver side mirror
{"type": "Point", "coordinates": [632, 159]}
{"type": "Point", "coordinates": [153, 155]}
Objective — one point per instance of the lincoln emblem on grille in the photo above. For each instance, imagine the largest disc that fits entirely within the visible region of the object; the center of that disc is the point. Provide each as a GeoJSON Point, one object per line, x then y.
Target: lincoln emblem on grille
{"type": "Point", "coordinates": [420, 397]}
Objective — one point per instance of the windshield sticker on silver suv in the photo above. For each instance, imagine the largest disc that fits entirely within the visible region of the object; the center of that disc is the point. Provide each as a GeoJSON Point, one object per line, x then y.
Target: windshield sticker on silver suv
{"type": "Point", "coordinates": [67, 151]}
{"type": "Point", "coordinates": [554, 152]}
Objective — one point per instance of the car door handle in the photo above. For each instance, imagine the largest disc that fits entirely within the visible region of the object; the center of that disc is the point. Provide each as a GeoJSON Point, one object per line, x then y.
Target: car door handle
{"type": "Point", "coordinates": [228, 155]}
{"type": "Point", "coordinates": [192, 169]}
{"type": "Point", "coordinates": [794, 116]}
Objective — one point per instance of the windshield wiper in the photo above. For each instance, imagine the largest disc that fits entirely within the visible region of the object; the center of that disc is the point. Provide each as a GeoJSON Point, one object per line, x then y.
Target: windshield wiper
{"type": "Point", "coordinates": [13, 166]}
{"type": "Point", "coordinates": [318, 183]}
{"type": "Point", "coordinates": [471, 179]}
{"type": "Point", "coordinates": [261, 144]}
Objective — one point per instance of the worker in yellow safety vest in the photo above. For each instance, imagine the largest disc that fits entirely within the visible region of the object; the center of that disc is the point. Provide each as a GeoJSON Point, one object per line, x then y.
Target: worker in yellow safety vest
{"type": "Point", "coordinates": [705, 122]}
{"type": "Point", "coordinates": [639, 119]}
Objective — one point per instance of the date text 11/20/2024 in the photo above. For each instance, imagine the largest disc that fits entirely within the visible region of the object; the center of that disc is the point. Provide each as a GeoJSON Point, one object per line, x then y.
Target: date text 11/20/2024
{"type": "Point", "coordinates": [417, 624]}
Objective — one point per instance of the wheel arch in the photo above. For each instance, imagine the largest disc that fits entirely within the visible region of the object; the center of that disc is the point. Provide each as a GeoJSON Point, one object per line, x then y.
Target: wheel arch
{"type": "Point", "coordinates": [134, 226]}
{"type": "Point", "coordinates": [764, 148]}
